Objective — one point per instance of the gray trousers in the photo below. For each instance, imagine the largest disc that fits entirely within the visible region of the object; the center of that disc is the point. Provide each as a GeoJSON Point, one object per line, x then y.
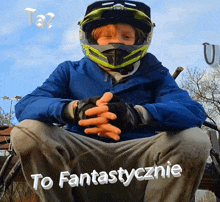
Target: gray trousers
{"type": "Point", "coordinates": [49, 151]}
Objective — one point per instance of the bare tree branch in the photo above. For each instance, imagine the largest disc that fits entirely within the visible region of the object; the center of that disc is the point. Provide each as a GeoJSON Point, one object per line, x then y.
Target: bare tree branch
{"type": "Point", "coordinates": [204, 87]}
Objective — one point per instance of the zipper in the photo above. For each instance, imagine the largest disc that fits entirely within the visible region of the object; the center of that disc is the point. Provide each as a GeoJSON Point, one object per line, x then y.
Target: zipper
{"type": "Point", "coordinates": [106, 77]}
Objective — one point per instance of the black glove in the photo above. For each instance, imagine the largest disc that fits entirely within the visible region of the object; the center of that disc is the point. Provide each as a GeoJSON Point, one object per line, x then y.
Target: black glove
{"type": "Point", "coordinates": [127, 117]}
{"type": "Point", "coordinates": [82, 106]}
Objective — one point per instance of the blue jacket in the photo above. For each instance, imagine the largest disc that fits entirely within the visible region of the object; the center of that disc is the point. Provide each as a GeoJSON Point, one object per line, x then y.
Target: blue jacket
{"type": "Point", "coordinates": [151, 86]}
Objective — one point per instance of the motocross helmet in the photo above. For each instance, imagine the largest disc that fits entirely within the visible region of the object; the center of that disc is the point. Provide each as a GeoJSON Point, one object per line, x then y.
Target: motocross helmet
{"type": "Point", "coordinates": [116, 56]}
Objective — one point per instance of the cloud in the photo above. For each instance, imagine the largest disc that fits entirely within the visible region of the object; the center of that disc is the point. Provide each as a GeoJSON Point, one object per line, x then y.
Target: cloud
{"type": "Point", "coordinates": [70, 37]}
{"type": "Point", "coordinates": [11, 23]}
{"type": "Point", "coordinates": [180, 17]}
{"type": "Point", "coordinates": [180, 31]}
{"type": "Point", "coordinates": [70, 40]}
{"type": "Point", "coordinates": [14, 17]}
{"type": "Point", "coordinates": [39, 57]}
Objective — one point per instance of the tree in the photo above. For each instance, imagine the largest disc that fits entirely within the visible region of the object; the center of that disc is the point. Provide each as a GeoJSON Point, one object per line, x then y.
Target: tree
{"type": "Point", "coordinates": [204, 87]}
{"type": "Point", "coordinates": [4, 118]}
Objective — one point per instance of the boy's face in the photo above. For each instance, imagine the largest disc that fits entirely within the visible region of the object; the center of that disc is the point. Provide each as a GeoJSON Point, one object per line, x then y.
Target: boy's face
{"type": "Point", "coordinates": [121, 33]}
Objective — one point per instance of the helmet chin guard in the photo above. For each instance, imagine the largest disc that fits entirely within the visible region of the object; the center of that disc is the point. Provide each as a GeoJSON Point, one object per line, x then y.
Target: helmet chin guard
{"type": "Point", "coordinates": [116, 55]}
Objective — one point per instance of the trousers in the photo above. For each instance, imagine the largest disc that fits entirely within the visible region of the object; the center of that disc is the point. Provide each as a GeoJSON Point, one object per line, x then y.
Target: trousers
{"type": "Point", "coordinates": [82, 168]}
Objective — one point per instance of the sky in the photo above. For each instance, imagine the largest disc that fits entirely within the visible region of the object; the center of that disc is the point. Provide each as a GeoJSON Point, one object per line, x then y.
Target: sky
{"type": "Point", "coordinates": [29, 54]}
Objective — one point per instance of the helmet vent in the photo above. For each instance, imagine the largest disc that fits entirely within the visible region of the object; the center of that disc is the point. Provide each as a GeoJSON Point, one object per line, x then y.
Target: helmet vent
{"type": "Point", "coordinates": [108, 3]}
{"type": "Point", "coordinates": [130, 4]}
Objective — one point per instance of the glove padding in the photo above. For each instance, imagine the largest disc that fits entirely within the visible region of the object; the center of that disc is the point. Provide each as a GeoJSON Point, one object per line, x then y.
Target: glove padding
{"type": "Point", "coordinates": [127, 117]}
{"type": "Point", "coordinates": [82, 106]}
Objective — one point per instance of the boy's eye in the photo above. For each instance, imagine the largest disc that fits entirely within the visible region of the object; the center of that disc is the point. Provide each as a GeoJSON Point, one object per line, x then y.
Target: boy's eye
{"type": "Point", "coordinates": [128, 37]}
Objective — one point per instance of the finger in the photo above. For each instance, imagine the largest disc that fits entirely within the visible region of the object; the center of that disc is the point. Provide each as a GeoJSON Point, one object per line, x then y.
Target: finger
{"type": "Point", "coordinates": [93, 121]}
{"type": "Point", "coordinates": [108, 115]}
{"type": "Point", "coordinates": [96, 110]}
{"type": "Point", "coordinates": [110, 128]}
{"type": "Point", "coordinates": [99, 130]}
{"type": "Point", "coordinates": [104, 99]}
{"type": "Point", "coordinates": [103, 128]}
{"type": "Point", "coordinates": [111, 135]}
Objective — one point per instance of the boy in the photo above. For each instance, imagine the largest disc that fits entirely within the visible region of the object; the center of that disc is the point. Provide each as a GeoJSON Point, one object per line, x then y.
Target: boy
{"type": "Point", "coordinates": [113, 101]}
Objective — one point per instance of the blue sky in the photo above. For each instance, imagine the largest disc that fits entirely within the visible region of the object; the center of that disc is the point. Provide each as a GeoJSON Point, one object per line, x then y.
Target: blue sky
{"type": "Point", "coordinates": [29, 54]}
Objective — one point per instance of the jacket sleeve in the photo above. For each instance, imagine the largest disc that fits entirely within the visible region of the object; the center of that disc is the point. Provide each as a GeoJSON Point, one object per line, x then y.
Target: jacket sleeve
{"type": "Point", "coordinates": [47, 102]}
{"type": "Point", "coordinates": [173, 108]}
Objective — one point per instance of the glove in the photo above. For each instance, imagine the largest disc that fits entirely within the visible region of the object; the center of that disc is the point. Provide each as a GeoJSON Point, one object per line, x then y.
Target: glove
{"type": "Point", "coordinates": [101, 123]}
{"type": "Point", "coordinates": [82, 106]}
{"type": "Point", "coordinates": [127, 116]}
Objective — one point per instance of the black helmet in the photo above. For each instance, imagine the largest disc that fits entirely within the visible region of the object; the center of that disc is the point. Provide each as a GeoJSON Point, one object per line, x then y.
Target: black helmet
{"type": "Point", "coordinates": [116, 56]}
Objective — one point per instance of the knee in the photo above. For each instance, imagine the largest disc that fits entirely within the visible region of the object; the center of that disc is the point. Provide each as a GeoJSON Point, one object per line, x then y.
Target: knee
{"type": "Point", "coordinates": [196, 137]}
{"type": "Point", "coordinates": [195, 145]}
{"type": "Point", "coordinates": [25, 135]}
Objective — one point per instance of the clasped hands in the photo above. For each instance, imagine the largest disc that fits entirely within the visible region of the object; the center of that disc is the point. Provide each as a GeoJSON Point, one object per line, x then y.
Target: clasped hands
{"type": "Point", "coordinates": [109, 116]}
{"type": "Point", "coordinates": [103, 127]}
